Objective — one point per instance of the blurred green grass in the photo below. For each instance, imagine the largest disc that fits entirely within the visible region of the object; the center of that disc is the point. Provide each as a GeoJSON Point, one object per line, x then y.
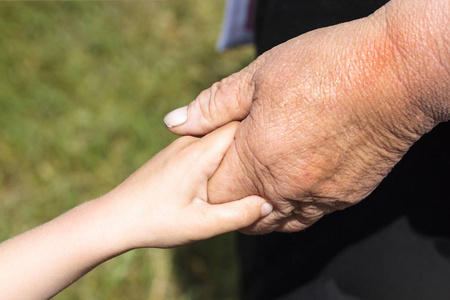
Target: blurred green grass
{"type": "Point", "coordinates": [84, 87]}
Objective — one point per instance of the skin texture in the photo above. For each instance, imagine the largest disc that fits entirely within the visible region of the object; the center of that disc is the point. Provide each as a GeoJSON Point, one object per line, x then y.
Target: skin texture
{"type": "Point", "coordinates": [326, 116]}
{"type": "Point", "coordinates": [163, 204]}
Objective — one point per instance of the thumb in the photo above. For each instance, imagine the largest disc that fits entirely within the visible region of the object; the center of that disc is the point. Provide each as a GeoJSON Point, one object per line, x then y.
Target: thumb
{"type": "Point", "coordinates": [231, 216]}
{"type": "Point", "coordinates": [225, 101]}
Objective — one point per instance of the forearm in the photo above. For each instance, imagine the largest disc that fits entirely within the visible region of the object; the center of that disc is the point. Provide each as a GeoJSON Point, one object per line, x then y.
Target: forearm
{"type": "Point", "coordinates": [43, 261]}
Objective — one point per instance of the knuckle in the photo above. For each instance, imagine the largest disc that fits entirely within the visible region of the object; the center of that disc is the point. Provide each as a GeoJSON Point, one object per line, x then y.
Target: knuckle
{"type": "Point", "coordinates": [208, 102]}
{"type": "Point", "coordinates": [183, 147]}
{"type": "Point", "coordinates": [309, 213]}
{"type": "Point", "coordinates": [228, 98]}
{"type": "Point", "coordinates": [184, 141]}
{"type": "Point", "coordinates": [203, 105]}
{"type": "Point", "coordinates": [294, 225]}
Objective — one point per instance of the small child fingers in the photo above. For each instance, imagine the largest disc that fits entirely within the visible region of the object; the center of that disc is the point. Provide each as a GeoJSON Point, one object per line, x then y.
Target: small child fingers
{"type": "Point", "coordinates": [231, 216]}
{"type": "Point", "coordinates": [214, 146]}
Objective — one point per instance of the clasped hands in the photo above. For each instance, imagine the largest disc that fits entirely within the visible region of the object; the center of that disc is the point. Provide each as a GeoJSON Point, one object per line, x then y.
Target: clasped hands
{"type": "Point", "coordinates": [323, 119]}
{"type": "Point", "coordinates": [327, 115]}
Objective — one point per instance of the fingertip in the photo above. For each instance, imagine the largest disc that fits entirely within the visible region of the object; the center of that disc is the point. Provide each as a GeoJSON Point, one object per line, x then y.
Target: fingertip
{"type": "Point", "coordinates": [214, 145]}
{"type": "Point", "coordinates": [176, 117]}
{"type": "Point", "coordinates": [185, 121]}
{"type": "Point", "coordinates": [266, 209]}
{"type": "Point", "coordinates": [191, 120]}
{"type": "Point", "coordinates": [238, 214]}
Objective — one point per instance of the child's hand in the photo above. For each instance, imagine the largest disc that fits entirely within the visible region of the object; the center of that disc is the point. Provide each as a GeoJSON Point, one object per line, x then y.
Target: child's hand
{"type": "Point", "coordinates": [164, 203]}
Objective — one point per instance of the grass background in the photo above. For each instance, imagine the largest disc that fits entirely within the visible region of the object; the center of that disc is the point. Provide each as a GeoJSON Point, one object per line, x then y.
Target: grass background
{"type": "Point", "coordinates": [84, 87]}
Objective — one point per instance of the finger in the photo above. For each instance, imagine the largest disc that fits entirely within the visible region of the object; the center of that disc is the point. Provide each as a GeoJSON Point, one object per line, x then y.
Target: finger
{"type": "Point", "coordinates": [213, 146]}
{"type": "Point", "coordinates": [274, 223]}
{"type": "Point", "coordinates": [225, 101]}
{"type": "Point", "coordinates": [199, 158]}
{"type": "Point", "coordinates": [221, 218]}
{"type": "Point", "coordinates": [210, 150]}
{"type": "Point", "coordinates": [232, 179]}
{"type": "Point", "coordinates": [277, 221]}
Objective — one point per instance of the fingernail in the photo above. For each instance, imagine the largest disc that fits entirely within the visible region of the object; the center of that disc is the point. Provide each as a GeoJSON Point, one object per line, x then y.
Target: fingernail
{"type": "Point", "coordinates": [176, 117]}
{"type": "Point", "coordinates": [266, 209]}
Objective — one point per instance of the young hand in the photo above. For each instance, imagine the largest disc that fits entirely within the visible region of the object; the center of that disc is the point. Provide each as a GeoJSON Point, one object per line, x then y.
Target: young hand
{"type": "Point", "coordinates": [164, 203]}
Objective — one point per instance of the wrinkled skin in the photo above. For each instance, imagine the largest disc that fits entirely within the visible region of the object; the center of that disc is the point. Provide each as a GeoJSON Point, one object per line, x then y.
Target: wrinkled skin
{"type": "Point", "coordinates": [326, 116]}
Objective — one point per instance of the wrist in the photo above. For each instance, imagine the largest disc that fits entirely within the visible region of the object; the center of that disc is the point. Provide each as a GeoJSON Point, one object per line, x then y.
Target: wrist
{"type": "Point", "coordinates": [96, 231]}
{"type": "Point", "coordinates": [111, 226]}
{"type": "Point", "coordinates": [419, 34]}
{"type": "Point", "coordinates": [125, 223]}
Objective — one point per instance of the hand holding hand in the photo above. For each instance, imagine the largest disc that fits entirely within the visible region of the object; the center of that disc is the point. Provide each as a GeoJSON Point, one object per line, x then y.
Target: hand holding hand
{"type": "Point", "coordinates": [165, 202]}
{"type": "Point", "coordinates": [325, 116]}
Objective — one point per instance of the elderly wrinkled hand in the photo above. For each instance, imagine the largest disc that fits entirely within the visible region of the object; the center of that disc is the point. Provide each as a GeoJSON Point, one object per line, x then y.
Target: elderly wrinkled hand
{"type": "Point", "coordinates": [326, 116]}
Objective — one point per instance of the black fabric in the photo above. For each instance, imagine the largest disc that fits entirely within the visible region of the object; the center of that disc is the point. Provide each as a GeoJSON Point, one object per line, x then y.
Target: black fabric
{"type": "Point", "coordinates": [280, 20]}
{"type": "Point", "coordinates": [417, 189]}
{"type": "Point", "coordinates": [393, 263]}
